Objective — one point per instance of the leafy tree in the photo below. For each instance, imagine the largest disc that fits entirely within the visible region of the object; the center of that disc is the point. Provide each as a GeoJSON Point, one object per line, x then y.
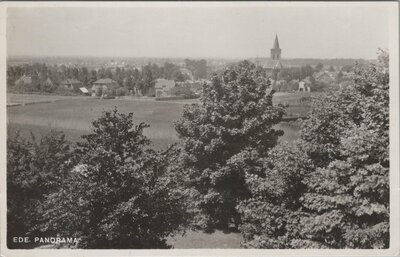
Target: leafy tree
{"type": "Point", "coordinates": [198, 68]}
{"type": "Point", "coordinates": [147, 81]}
{"type": "Point", "coordinates": [319, 66]}
{"type": "Point", "coordinates": [34, 170]}
{"type": "Point", "coordinates": [347, 68]}
{"type": "Point", "coordinates": [230, 128]}
{"type": "Point", "coordinates": [306, 71]}
{"type": "Point", "coordinates": [119, 194]}
{"type": "Point", "coordinates": [339, 170]}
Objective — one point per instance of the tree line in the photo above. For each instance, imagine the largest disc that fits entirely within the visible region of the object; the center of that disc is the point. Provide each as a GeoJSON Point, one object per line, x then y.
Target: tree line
{"type": "Point", "coordinates": [329, 189]}
{"type": "Point", "coordinates": [130, 78]}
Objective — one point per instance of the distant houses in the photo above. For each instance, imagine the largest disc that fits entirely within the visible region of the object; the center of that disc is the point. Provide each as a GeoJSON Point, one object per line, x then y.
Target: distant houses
{"type": "Point", "coordinates": [24, 81]}
{"type": "Point", "coordinates": [29, 84]}
{"type": "Point", "coordinates": [104, 87]}
{"type": "Point", "coordinates": [71, 84]}
{"type": "Point", "coordinates": [325, 77]}
{"type": "Point", "coordinates": [163, 87]}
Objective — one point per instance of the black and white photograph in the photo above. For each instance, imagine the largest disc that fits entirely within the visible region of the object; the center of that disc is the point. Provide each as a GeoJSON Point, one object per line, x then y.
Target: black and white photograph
{"type": "Point", "coordinates": [220, 126]}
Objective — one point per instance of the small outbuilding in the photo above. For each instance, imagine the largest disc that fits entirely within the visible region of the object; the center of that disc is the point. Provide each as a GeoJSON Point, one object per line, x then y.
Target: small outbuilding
{"type": "Point", "coordinates": [84, 91]}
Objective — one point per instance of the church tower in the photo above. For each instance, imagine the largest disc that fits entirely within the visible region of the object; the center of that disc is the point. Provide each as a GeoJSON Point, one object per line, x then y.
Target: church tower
{"type": "Point", "coordinates": [275, 50]}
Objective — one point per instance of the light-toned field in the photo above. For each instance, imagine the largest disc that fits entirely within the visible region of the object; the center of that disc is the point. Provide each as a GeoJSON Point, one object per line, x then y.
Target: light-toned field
{"type": "Point", "coordinates": [74, 115]}
{"type": "Point", "coordinates": [27, 99]}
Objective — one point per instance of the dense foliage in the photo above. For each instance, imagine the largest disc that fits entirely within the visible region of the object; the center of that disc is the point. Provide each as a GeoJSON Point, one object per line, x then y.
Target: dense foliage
{"type": "Point", "coordinates": [34, 170]}
{"type": "Point", "coordinates": [220, 137]}
{"type": "Point", "coordinates": [109, 191]}
{"type": "Point", "coordinates": [118, 194]}
{"type": "Point", "coordinates": [129, 77]}
{"type": "Point", "coordinates": [331, 188]}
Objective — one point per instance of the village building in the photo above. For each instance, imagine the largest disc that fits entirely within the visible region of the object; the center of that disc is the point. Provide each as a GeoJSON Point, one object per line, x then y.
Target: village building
{"type": "Point", "coordinates": [104, 87]}
{"type": "Point", "coordinates": [84, 91]}
{"type": "Point", "coordinates": [71, 84]}
{"type": "Point", "coordinates": [325, 77]}
{"type": "Point", "coordinates": [23, 81]}
{"type": "Point", "coordinates": [48, 83]}
{"type": "Point", "coordinates": [163, 87]}
{"type": "Point", "coordinates": [304, 86]}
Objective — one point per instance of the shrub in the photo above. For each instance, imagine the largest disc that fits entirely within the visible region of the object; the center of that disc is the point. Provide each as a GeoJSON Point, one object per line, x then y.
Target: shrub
{"type": "Point", "coordinates": [120, 91]}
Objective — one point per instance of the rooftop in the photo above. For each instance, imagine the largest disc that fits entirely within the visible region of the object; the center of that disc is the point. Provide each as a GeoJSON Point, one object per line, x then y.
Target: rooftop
{"type": "Point", "coordinates": [105, 81]}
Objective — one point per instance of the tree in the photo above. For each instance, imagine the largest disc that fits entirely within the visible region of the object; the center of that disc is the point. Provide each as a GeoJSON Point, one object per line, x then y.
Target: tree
{"type": "Point", "coordinates": [147, 81]}
{"type": "Point", "coordinates": [306, 71]}
{"type": "Point", "coordinates": [197, 67]}
{"type": "Point", "coordinates": [339, 169]}
{"type": "Point", "coordinates": [34, 170]}
{"type": "Point", "coordinates": [118, 194]}
{"type": "Point", "coordinates": [319, 66]}
{"type": "Point", "coordinates": [233, 125]}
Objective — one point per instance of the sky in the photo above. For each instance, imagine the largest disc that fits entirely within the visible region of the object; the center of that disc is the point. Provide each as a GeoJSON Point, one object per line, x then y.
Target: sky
{"type": "Point", "coordinates": [340, 31]}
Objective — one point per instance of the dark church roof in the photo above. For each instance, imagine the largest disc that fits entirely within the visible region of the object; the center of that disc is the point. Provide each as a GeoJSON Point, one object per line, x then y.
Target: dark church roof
{"type": "Point", "coordinates": [276, 43]}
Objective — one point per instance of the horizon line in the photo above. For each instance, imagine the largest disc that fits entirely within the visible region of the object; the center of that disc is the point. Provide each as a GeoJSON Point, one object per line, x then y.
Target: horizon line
{"type": "Point", "coordinates": [178, 57]}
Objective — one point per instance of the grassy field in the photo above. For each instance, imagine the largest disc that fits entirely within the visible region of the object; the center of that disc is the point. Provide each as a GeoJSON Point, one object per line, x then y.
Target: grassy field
{"type": "Point", "coordinates": [74, 116]}
{"type": "Point", "coordinates": [26, 99]}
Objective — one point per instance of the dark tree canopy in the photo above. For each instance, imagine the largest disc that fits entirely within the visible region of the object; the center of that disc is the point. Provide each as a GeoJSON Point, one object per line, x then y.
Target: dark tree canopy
{"type": "Point", "coordinates": [339, 170]}
{"type": "Point", "coordinates": [118, 194]}
{"type": "Point", "coordinates": [232, 126]}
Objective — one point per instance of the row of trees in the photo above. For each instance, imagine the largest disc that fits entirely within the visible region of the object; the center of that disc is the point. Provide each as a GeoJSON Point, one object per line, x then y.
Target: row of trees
{"type": "Point", "coordinates": [329, 189]}
{"type": "Point", "coordinates": [128, 77]}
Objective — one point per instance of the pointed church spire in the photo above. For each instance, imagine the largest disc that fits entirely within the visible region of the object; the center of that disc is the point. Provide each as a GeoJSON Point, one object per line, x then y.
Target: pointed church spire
{"type": "Point", "coordinates": [275, 50]}
{"type": "Point", "coordinates": [276, 42]}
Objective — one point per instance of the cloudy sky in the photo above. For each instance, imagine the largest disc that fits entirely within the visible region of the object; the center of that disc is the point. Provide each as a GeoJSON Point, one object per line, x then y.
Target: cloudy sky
{"type": "Point", "coordinates": [312, 31]}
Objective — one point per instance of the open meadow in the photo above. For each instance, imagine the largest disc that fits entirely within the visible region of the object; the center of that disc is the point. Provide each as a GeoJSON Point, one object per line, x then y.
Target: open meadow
{"type": "Point", "coordinates": [74, 115]}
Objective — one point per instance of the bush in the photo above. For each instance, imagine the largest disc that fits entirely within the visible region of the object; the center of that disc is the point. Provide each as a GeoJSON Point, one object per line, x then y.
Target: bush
{"type": "Point", "coordinates": [120, 193]}
{"type": "Point", "coordinates": [120, 91]}
{"type": "Point", "coordinates": [183, 91]}
{"type": "Point", "coordinates": [227, 132]}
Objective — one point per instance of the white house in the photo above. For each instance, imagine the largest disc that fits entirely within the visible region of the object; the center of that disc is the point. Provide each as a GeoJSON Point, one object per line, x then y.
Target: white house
{"type": "Point", "coordinates": [303, 87]}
